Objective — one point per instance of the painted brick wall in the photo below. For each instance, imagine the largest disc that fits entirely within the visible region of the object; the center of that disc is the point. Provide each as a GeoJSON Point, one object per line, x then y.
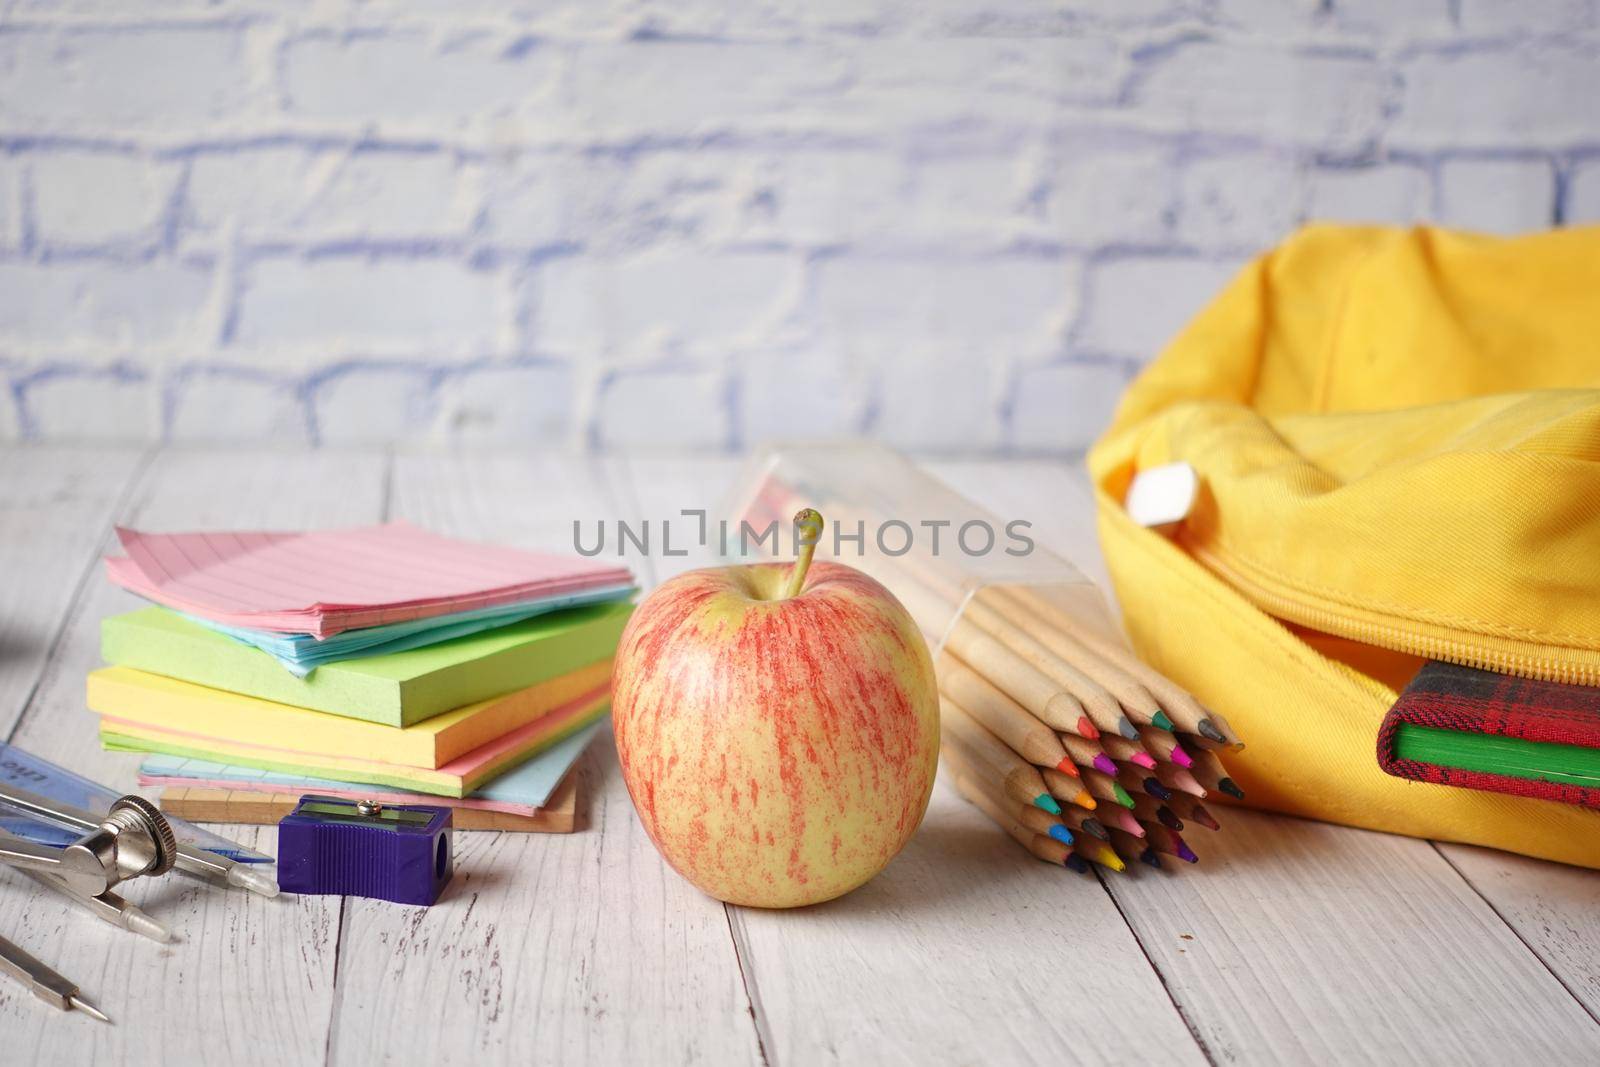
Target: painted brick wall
{"type": "Point", "coordinates": [691, 223]}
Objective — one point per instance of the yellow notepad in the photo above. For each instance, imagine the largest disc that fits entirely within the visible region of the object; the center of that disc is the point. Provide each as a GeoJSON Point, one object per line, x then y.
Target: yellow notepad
{"type": "Point", "coordinates": [163, 703]}
{"type": "Point", "coordinates": [455, 779]}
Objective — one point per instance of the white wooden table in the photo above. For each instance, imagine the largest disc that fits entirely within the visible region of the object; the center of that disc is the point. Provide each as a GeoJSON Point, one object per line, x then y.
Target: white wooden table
{"type": "Point", "coordinates": [1291, 942]}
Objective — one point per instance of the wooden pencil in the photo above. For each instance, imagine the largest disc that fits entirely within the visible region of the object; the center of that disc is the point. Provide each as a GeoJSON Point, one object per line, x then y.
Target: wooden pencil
{"type": "Point", "coordinates": [1002, 716]}
{"type": "Point", "coordinates": [1018, 779]}
{"type": "Point", "coordinates": [1118, 818]}
{"type": "Point", "coordinates": [1067, 789]}
{"type": "Point", "coordinates": [1169, 843]}
{"type": "Point", "coordinates": [1132, 847]}
{"type": "Point", "coordinates": [1187, 807]}
{"type": "Point", "coordinates": [1078, 819]}
{"type": "Point", "coordinates": [1087, 753]}
{"type": "Point", "coordinates": [1138, 780]}
{"type": "Point", "coordinates": [1046, 848]}
{"type": "Point", "coordinates": [1103, 786]}
{"type": "Point", "coordinates": [1209, 772]}
{"type": "Point", "coordinates": [1125, 751]}
{"type": "Point", "coordinates": [1024, 815]}
{"type": "Point", "coordinates": [1186, 713]}
{"type": "Point", "coordinates": [1164, 746]}
{"type": "Point", "coordinates": [1102, 708]}
{"type": "Point", "coordinates": [1134, 696]}
{"type": "Point", "coordinates": [1100, 852]}
{"type": "Point", "coordinates": [1148, 808]}
{"type": "Point", "coordinates": [1179, 780]}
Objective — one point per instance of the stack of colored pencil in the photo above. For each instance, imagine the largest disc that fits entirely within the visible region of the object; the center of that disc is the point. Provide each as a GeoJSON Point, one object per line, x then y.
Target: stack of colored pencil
{"type": "Point", "coordinates": [1063, 737]}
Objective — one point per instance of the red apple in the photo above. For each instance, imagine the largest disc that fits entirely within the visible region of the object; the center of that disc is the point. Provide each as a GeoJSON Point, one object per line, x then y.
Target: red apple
{"type": "Point", "coordinates": [778, 727]}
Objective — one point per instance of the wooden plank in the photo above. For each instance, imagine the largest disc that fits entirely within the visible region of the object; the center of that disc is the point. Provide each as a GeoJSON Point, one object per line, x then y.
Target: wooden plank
{"type": "Point", "coordinates": [582, 948]}
{"type": "Point", "coordinates": [248, 807]}
{"type": "Point", "coordinates": [249, 981]}
{"type": "Point", "coordinates": [965, 949]}
{"type": "Point", "coordinates": [1296, 941]}
{"type": "Point", "coordinates": [1555, 909]}
{"type": "Point", "coordinates": [55, 511]}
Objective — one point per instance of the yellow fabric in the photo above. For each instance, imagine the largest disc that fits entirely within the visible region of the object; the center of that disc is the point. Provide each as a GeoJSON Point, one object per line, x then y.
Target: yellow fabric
{"type": "Point", "coordinates": [1397, 434]}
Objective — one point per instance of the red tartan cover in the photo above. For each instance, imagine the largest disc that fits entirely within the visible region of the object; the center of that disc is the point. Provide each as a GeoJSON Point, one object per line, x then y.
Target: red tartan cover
{"type": "Point", "coordinates": [1452, 697]}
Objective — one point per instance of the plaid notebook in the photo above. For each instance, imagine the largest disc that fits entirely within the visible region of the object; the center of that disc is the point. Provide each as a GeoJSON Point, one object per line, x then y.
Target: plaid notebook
{"type": "Point", "coordinates": [1476, 729]}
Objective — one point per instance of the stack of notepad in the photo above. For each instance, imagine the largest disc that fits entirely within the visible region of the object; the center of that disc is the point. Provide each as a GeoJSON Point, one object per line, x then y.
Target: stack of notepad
{"type": "Point", "coordinates": [383, 662]}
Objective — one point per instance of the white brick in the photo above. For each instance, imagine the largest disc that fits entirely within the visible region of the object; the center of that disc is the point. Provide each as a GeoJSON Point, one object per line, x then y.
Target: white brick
{"type": "Point", "coordinates": [410, 78]}
{"type": "Point", "coordinates": [1389, 17]}
{"type": "Point", "coordinates": [1247, 201]}
{"type": "Point", "coordinates": [1497, 195]}
{"type": "Point", "coordinates": [1491, 97]}
{"type": "Point", "coordinates": [965, 199]}
{"type": "Point", "coordinates": [678, 87]}
{"type": "Point", "coordinates": [1263, 90]}
{"type": "Point", "coordinates": [932, 77]}
{"type": "Point", "coordinates": [10, 418]}
{"type": "Point", "coordinates": [112, 78]}
{"type": "Point", "coordinates": [610, 203]}
{"type": "Point", "coordinates": [91, 405]}
{"type": "Point", "coordinates": [1110, 197]}
{"type": "Point", "coordinates": [664, 409]}
{"type": "Point", "coordinates": [369, 194]}
{"type": "Point", "coordinates": [508, 405]}
{"type": "Point", "coordinates": [403, 303]}
{"type": "Point", "coordinates": [1258, 15]}
{"type": "Point", "coordinates": [1005, 301]}
{"type": "Point", "coordinates": [236, 406]}
{"type": "Point", "coordinates": [10, 205]}
{"type": "Point", "coordinates": [83, 199]}
{"type": "Point", "coordinates": [1393, 193]}
{"type": "Point", "coordinates": [661, 299]}
{"type": "Point", "coordinates": [1583, 193]}
{"type": "Point", "coordinates": [371, 405]}
{"type": "Point", "coordinates": [1542, 16]}
{"type": "Point", "coordinates": [1064, 407]}
{"type": "Point", "coordinates": [802, 394]}
{"type": "Point", "coordinates": [827, 198]}
{"type": "Point", "coordinates": [1136, 305]}
{"type": "Point", "coordinates": [66, 302]}
{"type": "Point", "coordinates": [961, 415]}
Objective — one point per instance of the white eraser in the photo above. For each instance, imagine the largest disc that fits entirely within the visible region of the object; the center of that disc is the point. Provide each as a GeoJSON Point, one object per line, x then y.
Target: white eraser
{"type": "Point", "coordinates": [1162, 495]}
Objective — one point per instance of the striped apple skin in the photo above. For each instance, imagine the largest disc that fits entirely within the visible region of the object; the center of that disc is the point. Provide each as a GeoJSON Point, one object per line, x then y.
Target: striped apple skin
{"type": "Point", "coordinates": [778, 752]}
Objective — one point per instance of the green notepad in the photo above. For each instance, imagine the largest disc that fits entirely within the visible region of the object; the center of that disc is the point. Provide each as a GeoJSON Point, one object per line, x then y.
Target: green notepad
{"type": "Point", "coordinates": [397, 689]}
{"type": "Point", "coordinates": [1510, 756]}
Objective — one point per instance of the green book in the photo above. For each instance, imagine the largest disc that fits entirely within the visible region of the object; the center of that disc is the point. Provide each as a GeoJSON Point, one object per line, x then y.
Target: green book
{"type": "Point", "coordinates": [397, 689]}
{"type": "Point", "coordinates": [1514, 757]}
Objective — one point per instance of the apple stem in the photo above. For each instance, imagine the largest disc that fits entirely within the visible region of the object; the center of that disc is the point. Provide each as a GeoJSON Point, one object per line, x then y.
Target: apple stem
{"type": "Point", "coordinates": [809, 524]}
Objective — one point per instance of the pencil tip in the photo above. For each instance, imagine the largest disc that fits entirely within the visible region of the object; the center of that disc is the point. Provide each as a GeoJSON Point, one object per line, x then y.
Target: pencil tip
{"type": "Point", "coordinates": [1087, 728]}
{"type": "Point", "coordinates": [1062, 834]}
{"type": "Point", "coordinates": [1161, 722]}
{"type": "Point", "coordinates": [1149, 856]}
{"type": "Point", "coordinates": [1169, 818]}
{"type": "Point", "coordinates": [77, 1001]}
{"type": "Point", "coordinates": [1208, 729]}
{"type": "Point", "coordinates": [1084, 800]}
{"type": "Point", "coordinates": [1105, 764]}
{"type": "Point", "coordinates": [1228, 786]}
{"type": "Point", "coordinates": [1067, 767]}
{"type": "Point", "coordinates": [1114, 861]}
{"type": "Point", "coordinates": [1126, 728]}
{"type": "Point", "coordinates": [1145, 760]}
{"type": "Point", "coordinates": [1200, 815]}
{"type": "Point", "coordinates": [1095, 828]}
{"type": "Point", "coordinates": [1156, 789]}
{"type": "Point", "coordinates": [1048, 803]}
{"type": "Point", "coordinates": [1185, 853]}
{"type": "Point", "coordinates": [1075, 862]}
{"type": "Point", "coordinates": [1121, 794]}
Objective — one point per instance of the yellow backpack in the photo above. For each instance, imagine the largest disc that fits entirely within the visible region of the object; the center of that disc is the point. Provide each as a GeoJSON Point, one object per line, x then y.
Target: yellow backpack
{"type": "Point", "coordinates": [1397, 438]}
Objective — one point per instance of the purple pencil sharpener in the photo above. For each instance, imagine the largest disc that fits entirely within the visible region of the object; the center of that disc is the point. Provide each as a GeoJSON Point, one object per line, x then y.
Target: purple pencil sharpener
{"type": "Point", "coordinates": [360, 848]}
